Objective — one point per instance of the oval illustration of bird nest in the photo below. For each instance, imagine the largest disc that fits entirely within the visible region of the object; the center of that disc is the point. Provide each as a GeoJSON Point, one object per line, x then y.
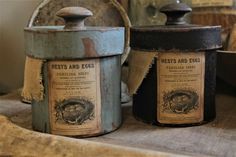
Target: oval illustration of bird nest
{"type": "Point", "coordinates": [181, 101]}
{"type": "Point", "coordinates": [75, 111]}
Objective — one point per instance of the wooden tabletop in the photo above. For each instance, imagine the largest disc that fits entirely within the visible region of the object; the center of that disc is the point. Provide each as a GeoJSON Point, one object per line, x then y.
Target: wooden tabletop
{"type": "Point", "coordinates": [217, 138]}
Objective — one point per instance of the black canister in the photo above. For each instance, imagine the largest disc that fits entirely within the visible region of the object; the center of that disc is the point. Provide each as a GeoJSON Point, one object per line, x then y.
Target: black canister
{"type": "Point", "coordinates": [179, 88]}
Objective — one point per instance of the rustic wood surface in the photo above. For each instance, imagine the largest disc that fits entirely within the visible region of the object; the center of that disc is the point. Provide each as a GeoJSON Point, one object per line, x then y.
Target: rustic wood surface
{"type": "Point", "coordinates": [16, 141]}
{"type": "Point", "coordinates": [217, 138]}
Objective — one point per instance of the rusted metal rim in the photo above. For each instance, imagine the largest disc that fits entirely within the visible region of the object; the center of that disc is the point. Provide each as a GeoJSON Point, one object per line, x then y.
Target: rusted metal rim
{"type": "Point", "coordinates": [120, 9]}
{"type": "Point", "coordinates": [189, 39]}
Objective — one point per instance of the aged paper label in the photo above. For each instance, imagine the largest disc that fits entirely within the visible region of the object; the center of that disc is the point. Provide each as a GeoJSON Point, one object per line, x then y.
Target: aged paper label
{"type": "Point", "coordinates": [211, 3]}
{"type": "Point", "coordinates": [74, 97]}
{"type": "Point", "coordinates": [181, 87]}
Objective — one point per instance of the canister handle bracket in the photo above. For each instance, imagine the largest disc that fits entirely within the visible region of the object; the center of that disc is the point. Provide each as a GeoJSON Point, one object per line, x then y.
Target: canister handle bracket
{"type": "Point", "coordinates": [74, 17]}
{"type": "Point", "coordinates": [175, 13]}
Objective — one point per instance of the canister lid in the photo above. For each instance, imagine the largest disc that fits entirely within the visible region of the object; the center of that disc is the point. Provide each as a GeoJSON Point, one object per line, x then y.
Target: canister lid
{"type": "Point", "coordinates": [74, 40]}
{"type": "Point", "coordinates": [177, 34]}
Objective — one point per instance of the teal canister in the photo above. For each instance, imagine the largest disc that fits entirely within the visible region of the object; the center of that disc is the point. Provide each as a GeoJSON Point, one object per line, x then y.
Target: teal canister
{"type": "Point", "coordinates": [81, 74]}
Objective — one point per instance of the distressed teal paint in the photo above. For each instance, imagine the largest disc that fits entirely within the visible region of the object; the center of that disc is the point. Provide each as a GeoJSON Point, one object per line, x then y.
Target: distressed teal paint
{"type": "Point", "coordinates": [111, 93]}
{"type": "Point", "coordinates": [110, 99]}
{"type": "Point", "coordinates": [58, 44]}
{"type": "Point", "coordinates": [40, 110]}
{"type": "Point", "coordinates": [54, 42]}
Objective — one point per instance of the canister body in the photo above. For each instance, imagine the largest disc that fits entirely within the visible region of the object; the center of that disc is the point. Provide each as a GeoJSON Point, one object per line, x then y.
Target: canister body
{"type": "Point", "coordinates": [159, 100]}
{"type": "Point", "coordinates": [177, 86]}
{"type": "Point", "coordinates": [81, 79]}
{"type": "Point", "coordinates": [106, 86]}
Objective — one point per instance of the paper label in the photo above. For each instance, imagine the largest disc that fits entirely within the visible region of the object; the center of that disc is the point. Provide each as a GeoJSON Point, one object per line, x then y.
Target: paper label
{"type": "Point", "coordinates": [211, 3]}
{"type": "Point", "coordinates": [74, 97]}
{"type": "Point", "coordinates": [181, 87]}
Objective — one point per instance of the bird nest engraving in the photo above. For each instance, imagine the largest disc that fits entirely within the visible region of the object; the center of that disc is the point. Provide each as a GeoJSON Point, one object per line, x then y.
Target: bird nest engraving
{"type": "Point", "coordinates": [180, 101]}
{"type": "Point", "coordinates": [75, 111]}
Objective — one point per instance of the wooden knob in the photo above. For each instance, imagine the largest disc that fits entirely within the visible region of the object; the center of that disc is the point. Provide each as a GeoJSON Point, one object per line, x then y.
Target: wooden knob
{"type": "Point", "coordinates": [74, 17]}
{"type": "Point", "coordinates": [175, 13]}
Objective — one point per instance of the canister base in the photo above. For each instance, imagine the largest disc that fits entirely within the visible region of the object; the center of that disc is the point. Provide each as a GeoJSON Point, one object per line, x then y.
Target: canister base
{"type": "Point", "coordinates": [84, 136]}
{"type": "Point", "coordinates": [155, 123]}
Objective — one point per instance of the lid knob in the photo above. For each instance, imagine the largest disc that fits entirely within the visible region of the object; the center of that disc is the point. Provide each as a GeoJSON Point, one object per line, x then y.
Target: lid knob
{"type": "Point", "coordinates": [74, 17]}
{"type": "Point", "coordinates": [175, 13]}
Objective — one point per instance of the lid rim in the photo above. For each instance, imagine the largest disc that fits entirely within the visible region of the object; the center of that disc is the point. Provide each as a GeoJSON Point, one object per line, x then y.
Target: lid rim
{"type": "Point", "coordinates": [188, 39]}
{"type": "Point", "coordinates": [172, 28]}
{"type": "Point", "coordinates": [216, 48]}
{"type": "Point", "coordinates": [53, 29]}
